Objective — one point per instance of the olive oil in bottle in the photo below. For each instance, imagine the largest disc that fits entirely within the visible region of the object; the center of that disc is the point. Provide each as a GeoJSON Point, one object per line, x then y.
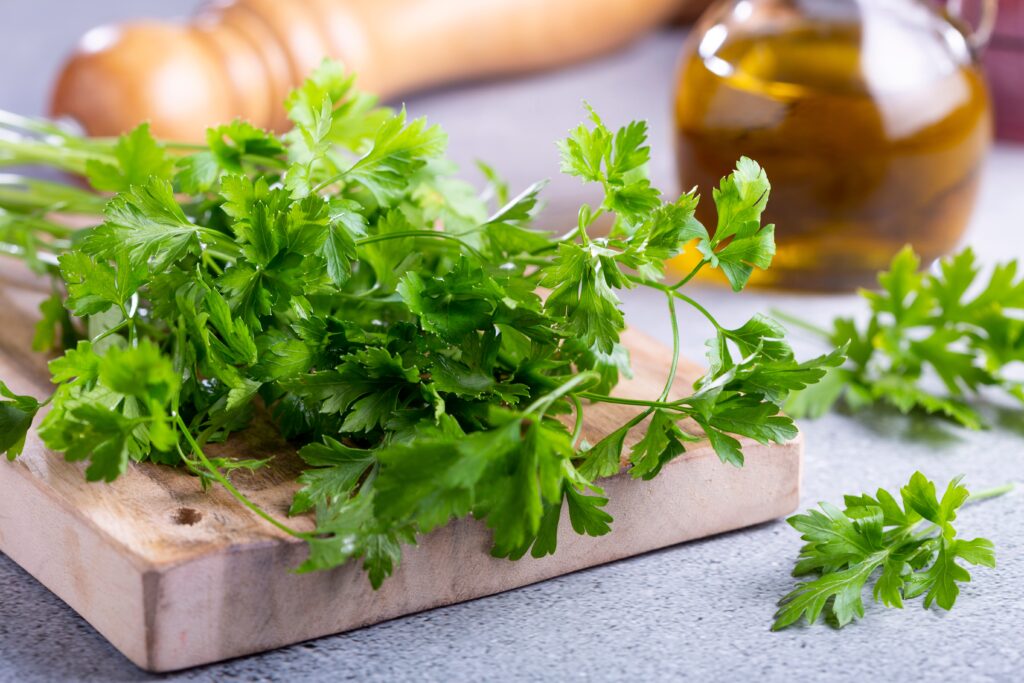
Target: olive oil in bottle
{"type": "Point", "coordinates": [870, 118]}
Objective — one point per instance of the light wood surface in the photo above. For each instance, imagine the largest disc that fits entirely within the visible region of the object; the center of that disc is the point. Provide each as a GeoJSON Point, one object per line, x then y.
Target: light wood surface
{"type": "Point", "coordinates": [176, 577]}
{"type": "Point", "coordinates": [241, 57]}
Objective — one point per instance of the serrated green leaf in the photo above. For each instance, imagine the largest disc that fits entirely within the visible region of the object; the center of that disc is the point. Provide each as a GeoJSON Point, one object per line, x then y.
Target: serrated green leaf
{"type": "Point", "coordinates": [915, 547]}
{"type": "Point", "coordinates": [139, 157]}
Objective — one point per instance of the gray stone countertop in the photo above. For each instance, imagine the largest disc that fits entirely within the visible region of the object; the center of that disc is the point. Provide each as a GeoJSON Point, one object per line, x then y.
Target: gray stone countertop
{"type": "Point", "coordinates": [697, 611]}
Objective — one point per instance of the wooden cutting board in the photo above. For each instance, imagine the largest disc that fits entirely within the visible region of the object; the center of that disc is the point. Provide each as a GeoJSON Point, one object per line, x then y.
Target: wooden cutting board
{"type": "Point", "coordinates": [175, 577]}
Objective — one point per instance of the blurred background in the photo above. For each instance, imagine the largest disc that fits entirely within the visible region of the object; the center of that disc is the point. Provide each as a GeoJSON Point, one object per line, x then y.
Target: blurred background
{"type": "Point", "coordinates": [511, 123]}
{"type": "Point", "coordinates": [872, 118]}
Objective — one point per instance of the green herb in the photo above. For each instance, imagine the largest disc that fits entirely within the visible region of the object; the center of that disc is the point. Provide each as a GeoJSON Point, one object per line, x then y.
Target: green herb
{"type": "Point", "coordinates": [340, 282]}
{"type": "Point", "coordinates": [947, 325]}
{"type": "Point", "coordinates": [907, 551]}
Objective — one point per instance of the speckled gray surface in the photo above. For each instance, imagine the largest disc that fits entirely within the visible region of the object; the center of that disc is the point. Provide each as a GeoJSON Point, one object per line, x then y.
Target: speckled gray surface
{"type": "Point", "coordinates": [699, 611]}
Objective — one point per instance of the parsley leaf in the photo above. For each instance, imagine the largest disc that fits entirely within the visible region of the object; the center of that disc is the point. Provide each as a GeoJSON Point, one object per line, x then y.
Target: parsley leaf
{"type": "Point", "coordinates": [584, 281]}
{"type": "Point", "coordinates": [948, 328]}
{"type": "Point", "coordinates": [399, 149]}
{"type": "Point", "coordinates": [139, 157]}
{"type": "Point", "coordinates": [16, 415]}
{"type": "Point", "coordinates": [112, 408]}
{"type": "Point", "coordinates": [910, 550]}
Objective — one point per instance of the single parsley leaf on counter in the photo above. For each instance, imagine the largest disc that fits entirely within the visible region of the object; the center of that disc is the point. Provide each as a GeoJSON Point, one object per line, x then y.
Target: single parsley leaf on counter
{"type": "Point", "coordinates": [946, 329]}
{"type": "Point", "coordinates": [909, 551]}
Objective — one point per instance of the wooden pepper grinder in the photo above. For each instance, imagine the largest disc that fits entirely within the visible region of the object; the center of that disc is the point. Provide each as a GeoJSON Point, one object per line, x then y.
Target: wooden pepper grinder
{"type": "Point", "coordinates": [241, 57]}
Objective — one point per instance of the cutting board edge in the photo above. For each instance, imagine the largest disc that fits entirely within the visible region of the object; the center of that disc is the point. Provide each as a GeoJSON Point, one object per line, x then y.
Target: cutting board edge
{"type": "Point", "coordinates": [67, 554]}
{"type": "Point", "coordinates": [273, 537]}
{"type": "Point", "coordinates": [161, 621]}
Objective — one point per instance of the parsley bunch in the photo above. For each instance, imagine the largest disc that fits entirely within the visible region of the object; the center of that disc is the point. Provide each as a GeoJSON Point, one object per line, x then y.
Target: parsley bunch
{"type": "Point", "coordinates": [340, 282]}
{"type": "Point", "coordinates": [947, 324]}
{"type": "Point", "coordinates": [914, 546]}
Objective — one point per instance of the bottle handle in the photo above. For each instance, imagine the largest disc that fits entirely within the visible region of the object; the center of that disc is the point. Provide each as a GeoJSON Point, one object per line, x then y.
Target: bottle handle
{"type": "Point", "coordinates": [979, 37]}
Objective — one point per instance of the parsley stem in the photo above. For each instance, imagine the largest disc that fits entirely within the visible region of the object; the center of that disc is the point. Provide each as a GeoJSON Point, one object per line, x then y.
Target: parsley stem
{"type": "Point", "coordinates": [26, 152]}
{"type": "Point", "coordinates": [599, 398]}
{"type": "Point", "coordinates": [12, 121]}
{"type": "Point", "coordinates": [578, 427]}
{"type": "Point", "coordinates": [567, 237]}
{"type": "Point", "coordinates": [693, 274]}
{"type": "Point", "coordinates": [703, 311]}
{"type": "Point", "coordinates": [582, 224]}
{"type": "Point", "coordinates": [37, 225]}
{"type": "Point", "coordinates": [226, 483]}
{"type": "Point", "coordinates": [797, 322]}
{"type": "Point", "coordinates": [994, 492]}
{"type": "Point", "coordinates": [421, 233]}
{"type": "Point", "coordinates": [129, 318]}
{"type": "Point", "coordinates": [637, 420]}
{"type": "Point", "coordinates": [674, 367]}
{"type": "Point", "coordinates": [109, 331]}
{"type": "Point", "coordinates": [660, 403]}
{"type": "Point", "coordinates": [23, 195]}
{"type": "Point", "coordinates": [330, 181]}
{"type": "Point", "coordinates": [541, 405]}
{"type": "Point", "coordinates": [671, 291]}
{"type": "Point", "coordinates": [210, 263]}
{"type": "Point", "coordinates": [173, 144]}
{"type": "Point", "coordinates": [582, 227]}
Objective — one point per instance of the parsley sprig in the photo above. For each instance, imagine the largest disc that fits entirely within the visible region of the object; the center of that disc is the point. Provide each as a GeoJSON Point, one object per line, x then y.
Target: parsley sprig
{"type": "Point", "coordinates": [947, 327]}
{"type": "Point", "coordinates": [340, 282]}
{"type": "Point", "coordinates": [908, 551]}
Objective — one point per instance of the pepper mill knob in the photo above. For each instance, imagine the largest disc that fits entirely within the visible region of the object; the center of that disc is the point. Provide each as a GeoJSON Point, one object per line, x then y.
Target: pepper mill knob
{"type": "Point", "coordinates": [183, 88]}
{"type": "Point", "coordinates": [241, 57]}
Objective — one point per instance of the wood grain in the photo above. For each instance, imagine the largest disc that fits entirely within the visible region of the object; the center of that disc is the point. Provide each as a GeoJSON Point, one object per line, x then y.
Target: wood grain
{"type": "Point", "coordinates": [176, 577]}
